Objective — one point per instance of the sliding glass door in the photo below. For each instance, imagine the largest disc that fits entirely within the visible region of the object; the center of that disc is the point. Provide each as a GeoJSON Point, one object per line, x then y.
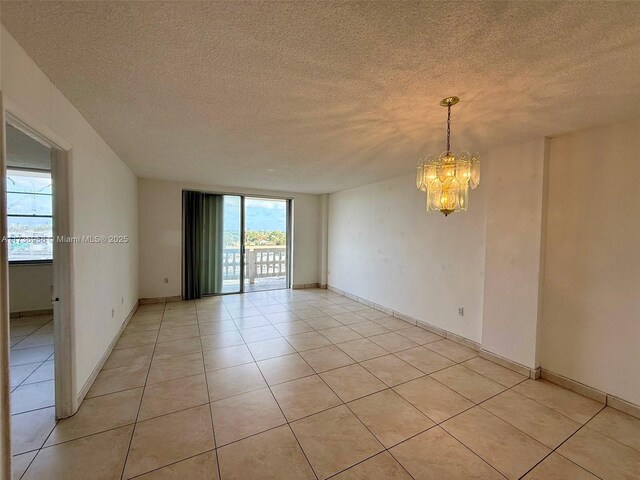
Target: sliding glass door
{"type": "Point", "coordinates": [266, 244]}
{"type": "Point", "coordinates": [221, 253]}
{"type": "Point", "coordinates": [234, 244]}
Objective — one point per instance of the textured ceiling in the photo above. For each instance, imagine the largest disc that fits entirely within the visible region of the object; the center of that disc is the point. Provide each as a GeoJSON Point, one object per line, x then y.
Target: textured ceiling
{"type": "Point", "coordinates": [321, 96]}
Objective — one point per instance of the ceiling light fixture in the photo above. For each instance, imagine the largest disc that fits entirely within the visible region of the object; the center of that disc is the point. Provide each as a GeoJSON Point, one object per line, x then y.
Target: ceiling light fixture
{"type": "Point", "coordinates": [447, 179]}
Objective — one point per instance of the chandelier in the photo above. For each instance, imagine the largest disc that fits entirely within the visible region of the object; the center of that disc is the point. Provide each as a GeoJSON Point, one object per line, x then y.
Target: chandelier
{"type": "Point", "coordinates": [447, 179]}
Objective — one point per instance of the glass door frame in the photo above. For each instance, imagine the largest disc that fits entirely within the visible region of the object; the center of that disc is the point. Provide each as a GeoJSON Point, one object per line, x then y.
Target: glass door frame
{"type": "Point", "coordinates": [241, 290]}
{"type": "Point", "coordinates": [289, 235]}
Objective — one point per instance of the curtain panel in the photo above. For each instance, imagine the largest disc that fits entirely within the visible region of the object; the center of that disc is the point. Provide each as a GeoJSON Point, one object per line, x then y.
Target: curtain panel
{"type": "Point", "coordinates": [192, 255]}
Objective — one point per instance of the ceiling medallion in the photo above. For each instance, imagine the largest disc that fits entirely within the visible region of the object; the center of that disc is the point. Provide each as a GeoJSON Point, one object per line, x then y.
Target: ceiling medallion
{"type": "Point", "coordinates": [447, 179]}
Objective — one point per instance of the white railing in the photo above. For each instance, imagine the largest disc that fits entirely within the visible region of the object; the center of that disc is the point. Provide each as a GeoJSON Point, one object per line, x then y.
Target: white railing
{"type": "Point", "coordinates": [260, 262]}
{"type": "Point", "coordinates": [231, 264]}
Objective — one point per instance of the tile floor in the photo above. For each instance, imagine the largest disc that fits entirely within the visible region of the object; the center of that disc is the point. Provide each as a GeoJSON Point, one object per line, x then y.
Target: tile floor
{"type": "Point", "coordinates": [31, 364]}
{"type": "Point", "coordinates": [309, 384]}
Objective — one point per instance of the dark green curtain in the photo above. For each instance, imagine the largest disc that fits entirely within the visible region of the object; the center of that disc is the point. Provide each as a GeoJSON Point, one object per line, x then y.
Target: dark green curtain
{"type": "Point", "coordinates": [202, 217]}
{"type": "Point", "coordinates": [212, 244]}
{"type": "Point", "coordinates": [192, 220]}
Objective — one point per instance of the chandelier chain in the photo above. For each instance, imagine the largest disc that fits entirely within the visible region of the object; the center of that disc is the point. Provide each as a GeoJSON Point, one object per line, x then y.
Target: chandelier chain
{"type": "Point", "coordinates": [449, 129]}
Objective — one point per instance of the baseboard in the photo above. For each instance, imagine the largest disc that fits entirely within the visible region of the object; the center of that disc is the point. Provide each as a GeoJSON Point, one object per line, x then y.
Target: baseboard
{"type": "Point", "coordinates": [454, 337]}
{"type": "Point", "coordinates": [94, 374]}
{"type": "Point", "coordinates": [592, 393]}
{"type": "Point", "coordinates": [146, 301]}
{"type": "Point", "coordinates": [574, 386]}
{"type": "Point", "coordinates": [178, 298]}
{"type": "Point", "coordinates": [510, 364]}
{"type": "Point", "coordinates": [624, 406]}
{"type": "Point", "coordinates": [31, 313]}
{"type": "Point", "coordinates": [301, 286]}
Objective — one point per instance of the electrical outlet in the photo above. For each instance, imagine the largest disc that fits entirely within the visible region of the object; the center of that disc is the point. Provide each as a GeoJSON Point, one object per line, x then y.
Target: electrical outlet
{"type": "Point", "coordinates": [461, 311]}
{"type": "Point", "coordinates": [166, 280]}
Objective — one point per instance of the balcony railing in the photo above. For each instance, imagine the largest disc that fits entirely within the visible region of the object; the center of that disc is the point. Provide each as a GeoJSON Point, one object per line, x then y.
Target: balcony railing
{"type": "Point", "coordinates": [260, 262]}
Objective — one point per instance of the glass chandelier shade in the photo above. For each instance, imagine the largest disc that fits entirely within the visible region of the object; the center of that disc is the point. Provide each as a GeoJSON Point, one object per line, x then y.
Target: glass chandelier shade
{"type": "Point", "coordinates": [446, 179]}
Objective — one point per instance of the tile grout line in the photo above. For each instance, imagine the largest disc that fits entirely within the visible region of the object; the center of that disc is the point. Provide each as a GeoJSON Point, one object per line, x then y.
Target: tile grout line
{"type": "Point", "coordinates": [385, 449]}
{"type": "Point", "coordinates": [35, 409]}
{"type": "Point", "coordinates": [56, 421]}
{"type": "Point", "coordinates": [574, 463]}
{"type": "Point", "coordinates": [29, 464]}
{"type": "Point", "coordinates": [33, 383]}
{"type": "Point", "coordinates": [206, 383]}
{"type": "Point", "coordinates": [480, 405]}
{"type": "Point", "coordinates": [41, 363]}
{"type": "Point", "coordinates": [551, 450]}
{"type": "Point", "coordinates": [55, 424]}
{"type": "Point", "coordinates": [133, 431]}
{"type": "Point", "coordinates": [436, 424]}
{"type": "Point", "coordinates": [392, 389]}
{"type": "Point", "coordinates": [235, 395]}
{"type": "Point", "coordinates": [346, 404]}
{"type": "Point", "coordinates": [231, 396]}
{"type": "Point", "coordinates": [605, 434]}
{"type": "Point", "coordinates": [474, 405]}
{"type": "Point", "coordinates": [554, 450]}
{"type": "Point", "coordinates": [176, 462]}
{"type": "Point", "coordinates": [282, 413]}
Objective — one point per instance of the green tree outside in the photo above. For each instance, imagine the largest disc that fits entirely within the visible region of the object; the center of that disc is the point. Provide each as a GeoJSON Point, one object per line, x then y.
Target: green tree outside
{"type": "Point", "coordinates": [256, 238]}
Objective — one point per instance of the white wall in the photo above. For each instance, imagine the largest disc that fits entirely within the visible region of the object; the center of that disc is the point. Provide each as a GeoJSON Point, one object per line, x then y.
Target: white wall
{"type": "Point", "coordinates": [384, 247]}
{"type": "Point", "coordinates": [591, 314]}
{"type": "Point", "coordinates": [30, 287]}
{"type": "Point", "coordinates": [160, 213]}
{"type": "Point", "coordinates": [104, 193]}
{"type": "Point", "coordinates": [515, 179]}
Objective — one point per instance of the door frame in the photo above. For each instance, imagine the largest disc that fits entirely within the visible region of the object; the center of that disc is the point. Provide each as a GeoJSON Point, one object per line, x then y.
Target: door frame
{"type": "Point", "coordinates": [242, 252]}
{"type": "Point", "coordinates": [289, 243]}
{"type": "Point", "coordinates": [66, 400]}
{"type": "Point", "coordinates": [243, 196]}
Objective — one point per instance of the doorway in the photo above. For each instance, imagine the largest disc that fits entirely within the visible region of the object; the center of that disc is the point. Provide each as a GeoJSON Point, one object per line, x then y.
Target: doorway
{"type": "Point", "coordinates": [36, 303]}
{"type": "Point", "coordinates": [235, 244]}
{"type": "Point", "coordinates": [30, 253]}
{"type": "Point", "coordinates": [30, 218]}
{"type": "Point", "coordinates": [266, 244]}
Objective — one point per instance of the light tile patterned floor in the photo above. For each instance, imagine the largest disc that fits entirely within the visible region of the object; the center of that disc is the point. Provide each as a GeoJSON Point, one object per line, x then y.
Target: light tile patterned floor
{"type": "Point", "coordinates": [31, 352]}
{"type": "Point", "coordinates": [308, 384]}
{"type": "Point", "coordinates": [31, 382]}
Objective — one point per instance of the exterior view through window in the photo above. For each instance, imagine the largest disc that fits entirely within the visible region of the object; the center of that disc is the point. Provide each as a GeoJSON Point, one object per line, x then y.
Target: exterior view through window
{"type": "Point", "coordinates": [265, 244]}
{"type": "Point", "coordinates": [29, 215]}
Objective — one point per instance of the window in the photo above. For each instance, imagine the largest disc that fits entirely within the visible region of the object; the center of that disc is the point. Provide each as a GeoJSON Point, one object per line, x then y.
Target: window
{"type": "Point", "coordinates": [29, 216]}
